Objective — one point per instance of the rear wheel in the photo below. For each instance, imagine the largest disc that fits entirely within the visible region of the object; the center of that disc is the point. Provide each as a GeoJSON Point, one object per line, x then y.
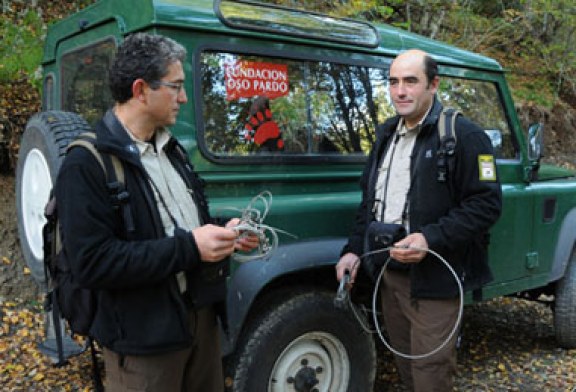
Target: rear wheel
{"type": "Point", "coordinates": [42, 150]}
{"type": "Point", "coordinates": [305, 344]}
{"type": "Point", "coordinates": [564, 314]}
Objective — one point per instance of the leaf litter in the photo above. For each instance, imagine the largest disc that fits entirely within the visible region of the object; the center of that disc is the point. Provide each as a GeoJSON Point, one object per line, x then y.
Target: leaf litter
{"type": "Point", "coordinates": [507, 345]}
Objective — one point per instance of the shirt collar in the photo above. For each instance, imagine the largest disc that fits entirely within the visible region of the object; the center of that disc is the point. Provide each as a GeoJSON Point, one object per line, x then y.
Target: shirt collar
{"type": "Point", "coordinates": [403, 130]}
{"type": "Point", "coordinates": [161, 138]}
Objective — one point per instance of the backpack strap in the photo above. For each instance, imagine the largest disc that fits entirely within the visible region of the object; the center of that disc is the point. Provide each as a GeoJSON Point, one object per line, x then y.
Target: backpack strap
{"type": "Point", "coordinates": [115, 176]}
{"type": "Point", "coordinates": [87, 140]}
{"type": "Point", "coordinates": [447, 135]}
{"type": "Point", "coordinates": [117, 190]}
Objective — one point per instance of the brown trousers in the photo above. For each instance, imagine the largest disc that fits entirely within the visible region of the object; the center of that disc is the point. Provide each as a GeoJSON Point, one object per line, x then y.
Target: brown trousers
{"type": "Point", "coordinates": [417, 327]}
{"type": "Point", "coordinates": [195, 369]}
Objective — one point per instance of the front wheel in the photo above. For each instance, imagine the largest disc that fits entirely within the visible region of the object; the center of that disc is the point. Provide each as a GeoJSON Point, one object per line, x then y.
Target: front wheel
{"type": "Point", "coordinates": [305, 344]}
{"type": "Point", "coordinates": [564, 314]}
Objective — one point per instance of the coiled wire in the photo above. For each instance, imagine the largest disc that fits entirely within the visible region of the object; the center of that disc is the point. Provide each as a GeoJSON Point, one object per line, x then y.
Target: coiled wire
{"type": "Point", "coordinates": [252, 223]}
{"type": "Point", "coordinates": [378, 330]}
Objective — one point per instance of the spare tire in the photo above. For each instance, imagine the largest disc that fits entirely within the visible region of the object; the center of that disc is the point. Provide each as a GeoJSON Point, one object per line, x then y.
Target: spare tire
{"type": "Point", "coordinates": [42, 150]}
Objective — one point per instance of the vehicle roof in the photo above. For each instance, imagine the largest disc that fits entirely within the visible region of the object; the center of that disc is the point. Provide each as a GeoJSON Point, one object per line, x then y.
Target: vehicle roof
{"type": "Point", "coordinates": [201, 15]}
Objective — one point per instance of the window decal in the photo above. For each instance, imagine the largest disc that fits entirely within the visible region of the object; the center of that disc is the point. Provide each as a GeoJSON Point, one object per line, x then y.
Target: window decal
{"type": "Point", "coordinates": [261, 128]}
{"type": "Point", "coordinates": [247, 79]}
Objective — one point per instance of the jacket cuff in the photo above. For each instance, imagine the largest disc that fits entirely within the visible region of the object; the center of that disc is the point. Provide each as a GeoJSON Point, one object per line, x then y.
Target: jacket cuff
{"type": "Point", "coordinates": [191, 251]}
{"type": "Point", "coordinates": [353, 246]}
{"type": "Point", "coordinates": [433, 238]}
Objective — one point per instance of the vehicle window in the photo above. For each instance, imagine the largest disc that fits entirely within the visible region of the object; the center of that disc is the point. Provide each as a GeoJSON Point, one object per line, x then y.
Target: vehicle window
{"type": "Point", "coordinates": [479, 100]}
{"type": "Point", "coordinates": [257, 106]}
{"type": "Point", "coordinates": [261, 105]}
{"type": "Point", "coordinates": [248, 15]}
{"type": "Point", "coordinates": [85, 80]}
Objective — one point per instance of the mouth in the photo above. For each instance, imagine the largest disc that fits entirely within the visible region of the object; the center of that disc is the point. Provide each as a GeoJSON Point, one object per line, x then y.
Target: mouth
{"type": "Point", "coordinates": [403, 104]}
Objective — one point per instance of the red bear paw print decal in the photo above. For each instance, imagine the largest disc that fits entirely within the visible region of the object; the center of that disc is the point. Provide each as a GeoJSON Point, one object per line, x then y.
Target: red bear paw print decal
{"type": "Point", "coordinates": [264, 131]}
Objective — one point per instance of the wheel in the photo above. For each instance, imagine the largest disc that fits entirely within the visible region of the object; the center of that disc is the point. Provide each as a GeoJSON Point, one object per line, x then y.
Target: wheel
{"type": "Point", "coordinates": [42, 149]}
{"type": "Point", "coordinates": [564, 315]}
{"type": "Point", "coordinates": [305, 344]}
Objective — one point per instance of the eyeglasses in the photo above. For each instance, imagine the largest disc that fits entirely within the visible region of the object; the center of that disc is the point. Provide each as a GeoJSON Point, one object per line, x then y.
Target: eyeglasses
{"type": "Point", "coordinates": [176, 86]}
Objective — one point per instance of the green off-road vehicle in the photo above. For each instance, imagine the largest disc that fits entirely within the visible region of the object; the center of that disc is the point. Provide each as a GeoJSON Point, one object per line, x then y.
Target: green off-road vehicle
{"type": "Point", "coordinates": [287, 101]}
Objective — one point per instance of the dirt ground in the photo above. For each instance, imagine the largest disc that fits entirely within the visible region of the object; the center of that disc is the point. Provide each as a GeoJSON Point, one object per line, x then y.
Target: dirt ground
{"type": "Point", "coordinates": [15, 282]}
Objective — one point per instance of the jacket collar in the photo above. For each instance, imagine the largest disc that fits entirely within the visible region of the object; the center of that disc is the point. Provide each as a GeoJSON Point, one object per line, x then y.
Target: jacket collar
{"type": "Point", "coordinates": [114, 139]}
{"type": "Point", "coordinates": [434, 113]}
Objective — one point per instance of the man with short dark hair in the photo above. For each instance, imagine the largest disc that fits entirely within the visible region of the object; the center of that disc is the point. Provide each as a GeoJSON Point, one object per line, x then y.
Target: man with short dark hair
{"type": "Point", "coordinates": [451, 216]}
{"type": "Point", "coordinates": [159, 271]}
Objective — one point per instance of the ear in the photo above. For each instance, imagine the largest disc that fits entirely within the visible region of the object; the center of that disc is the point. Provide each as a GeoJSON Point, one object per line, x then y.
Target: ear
{"type": "Point", "coordinates": [139, 90]}
{"type": "Point", "coordinates": [433, 86]}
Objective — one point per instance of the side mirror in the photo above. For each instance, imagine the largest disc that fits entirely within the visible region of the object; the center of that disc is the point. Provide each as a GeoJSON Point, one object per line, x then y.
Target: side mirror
{"type": "Point", "coordinates": [536, 141]}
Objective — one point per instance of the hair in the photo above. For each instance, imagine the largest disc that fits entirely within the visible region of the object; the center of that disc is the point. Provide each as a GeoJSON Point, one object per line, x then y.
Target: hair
{"type": "Point", "coordinates": [430, 68]}
{"type": "Point", "coordinates": [142, 56]}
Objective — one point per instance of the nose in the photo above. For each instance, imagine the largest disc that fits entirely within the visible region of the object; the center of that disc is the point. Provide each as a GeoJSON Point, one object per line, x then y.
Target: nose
{"type": "Point", "coordinates": [182, 97]}
{"type": "Point", "coordinates": [401, 88]}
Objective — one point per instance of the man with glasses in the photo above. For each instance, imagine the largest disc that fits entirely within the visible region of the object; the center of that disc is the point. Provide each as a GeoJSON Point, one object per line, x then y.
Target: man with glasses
{"type": "Point", "coordinates": [158, 275]}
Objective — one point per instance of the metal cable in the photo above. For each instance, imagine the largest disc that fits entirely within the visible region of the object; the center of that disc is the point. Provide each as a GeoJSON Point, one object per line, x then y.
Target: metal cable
{"type": "Point", "coordinates": [252, 223]}
{"type": "Point", "coordinates": [375, 313]}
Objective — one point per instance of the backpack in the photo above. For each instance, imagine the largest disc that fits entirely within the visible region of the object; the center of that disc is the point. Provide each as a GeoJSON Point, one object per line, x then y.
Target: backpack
{"type": "Point", "coordinates": [64, 299]}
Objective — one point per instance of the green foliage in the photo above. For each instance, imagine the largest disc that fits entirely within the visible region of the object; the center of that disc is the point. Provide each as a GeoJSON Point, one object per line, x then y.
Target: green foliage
{"type": "Point", "coordinates": [537, 91]}
{"type": "Point", "coordinates": [21, 46]}
{"type": "Point", "coordinates": [534, 39]}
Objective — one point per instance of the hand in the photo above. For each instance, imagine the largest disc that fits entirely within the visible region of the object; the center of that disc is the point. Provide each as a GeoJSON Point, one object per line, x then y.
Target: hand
{"type": "Point", "coordinates": [246, 241]}
{"type": "Point", "coordinates": [214, 242]}
{"type": "Point", "coordinates": [402, 252]}
{"type": "Point", "coordinates": [349, 262]}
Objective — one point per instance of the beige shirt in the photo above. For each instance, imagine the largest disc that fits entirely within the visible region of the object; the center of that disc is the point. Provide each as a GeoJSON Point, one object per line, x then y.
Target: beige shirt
{"type": "Point", "coordinates": [394, 176]}
{"type": "Point", "coordinates": [165, 180]}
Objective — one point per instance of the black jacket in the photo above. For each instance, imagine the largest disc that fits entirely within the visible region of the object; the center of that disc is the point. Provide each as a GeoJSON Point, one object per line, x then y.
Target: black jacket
{"type": "Point", "coordinates": [454, 216]}
{"type": "Point", "coordinates": [140, 308]}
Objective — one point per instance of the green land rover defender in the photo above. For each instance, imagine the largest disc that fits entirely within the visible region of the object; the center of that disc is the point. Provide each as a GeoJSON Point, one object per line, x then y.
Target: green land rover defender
{"type": "Point", "coordinates": [287, 102]}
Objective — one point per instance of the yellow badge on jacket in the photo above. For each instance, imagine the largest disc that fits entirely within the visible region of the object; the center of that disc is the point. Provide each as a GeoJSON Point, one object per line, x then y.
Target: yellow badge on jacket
{"type": "Point", "coordinates": [487, 168]}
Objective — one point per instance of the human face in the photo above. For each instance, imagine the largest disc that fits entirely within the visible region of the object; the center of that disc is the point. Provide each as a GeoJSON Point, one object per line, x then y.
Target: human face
{"type": "Point", "coordinates": [412, 94]}
{"type": "Point", "coordinates": [166, 96]}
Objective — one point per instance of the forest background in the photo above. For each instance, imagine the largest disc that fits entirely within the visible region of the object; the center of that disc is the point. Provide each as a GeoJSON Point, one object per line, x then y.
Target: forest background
{"type": "Point", "coordinates": [534, 40]}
